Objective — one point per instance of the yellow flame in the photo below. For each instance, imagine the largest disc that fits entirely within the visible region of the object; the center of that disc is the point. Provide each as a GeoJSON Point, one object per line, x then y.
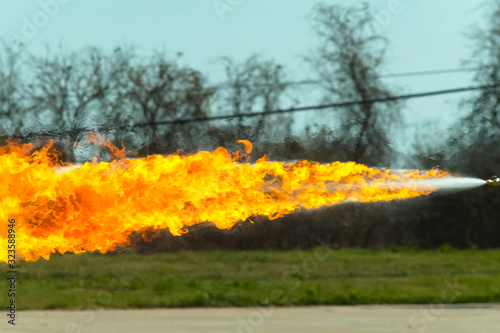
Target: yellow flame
{"type": "Point", "coordinates": [98, 205]}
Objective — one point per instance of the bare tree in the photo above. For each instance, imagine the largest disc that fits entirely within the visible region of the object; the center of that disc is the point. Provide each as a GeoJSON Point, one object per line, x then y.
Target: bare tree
{"type": "Point", "coordinates": [254, 85]}
{"type": "Point", "coordinates": [12, 111]}
{"type": "Point", "coordinates": [476, 136]}
{"type": "Point", "coordinates": [69, 89]}
{"type": "Point", "coordinates": [348, 61]}
{"type": "Point", "coordinates": [66, 85]}
{"type": "Point", "coordinates": [159, 89]}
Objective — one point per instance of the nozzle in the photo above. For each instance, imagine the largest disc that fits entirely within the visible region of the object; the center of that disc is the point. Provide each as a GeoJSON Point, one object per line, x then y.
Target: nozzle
{"type": "Point", "coordinates": [494, 181]}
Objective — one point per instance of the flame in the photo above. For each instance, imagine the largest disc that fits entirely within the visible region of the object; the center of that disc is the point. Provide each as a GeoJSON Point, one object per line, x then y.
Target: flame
{"type": "Point", "coordinates": [59, 207]}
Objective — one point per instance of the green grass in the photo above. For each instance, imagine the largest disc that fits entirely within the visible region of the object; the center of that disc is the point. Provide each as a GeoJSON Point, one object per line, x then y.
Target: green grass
{"type": "Point", "coordinates": [224, 278]}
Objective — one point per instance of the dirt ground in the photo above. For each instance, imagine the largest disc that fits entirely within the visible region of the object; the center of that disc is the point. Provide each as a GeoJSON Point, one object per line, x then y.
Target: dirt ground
{"type": "Point", "coordinates": [468, 318]}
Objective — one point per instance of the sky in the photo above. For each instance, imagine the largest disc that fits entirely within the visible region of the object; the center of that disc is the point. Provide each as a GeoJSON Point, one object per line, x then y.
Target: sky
{"type": "Point", "coordinates": [424, 35]}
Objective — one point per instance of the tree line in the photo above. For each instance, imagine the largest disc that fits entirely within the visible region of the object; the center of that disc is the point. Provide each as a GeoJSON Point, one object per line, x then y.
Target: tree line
{"type": "Point", "coordinates": [63, 93]}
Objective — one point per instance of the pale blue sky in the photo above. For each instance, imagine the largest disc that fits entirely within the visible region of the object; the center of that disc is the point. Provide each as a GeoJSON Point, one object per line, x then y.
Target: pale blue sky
{"type": "Point", "coordinates": [426, 35]}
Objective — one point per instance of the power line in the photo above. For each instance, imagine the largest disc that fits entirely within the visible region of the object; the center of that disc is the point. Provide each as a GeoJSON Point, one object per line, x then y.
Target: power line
{"type": "Point", "coordinates": [322, 106]}
{"type": "Point", "coordinates": [55, 133]}
{"type": "Point", "coordinates": [434, 72]}
{"type": "Point", "coordinates": [225, 85]}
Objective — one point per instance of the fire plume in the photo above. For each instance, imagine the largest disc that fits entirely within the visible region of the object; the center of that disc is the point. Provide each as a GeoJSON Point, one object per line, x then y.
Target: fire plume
{"type": "Point", "coordinates": [60, 207]}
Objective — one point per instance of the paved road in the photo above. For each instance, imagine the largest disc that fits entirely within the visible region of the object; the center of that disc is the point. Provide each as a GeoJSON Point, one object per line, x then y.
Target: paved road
{"type": "Point", "coordinates": [349, 319]}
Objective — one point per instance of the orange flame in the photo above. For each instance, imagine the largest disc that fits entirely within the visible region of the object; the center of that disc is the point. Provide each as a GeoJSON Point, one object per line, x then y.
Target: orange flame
{"type": "Point", "coordinates": [98, 205]}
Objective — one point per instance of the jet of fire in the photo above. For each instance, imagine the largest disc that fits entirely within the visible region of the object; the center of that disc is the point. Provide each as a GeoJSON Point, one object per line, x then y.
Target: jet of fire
{"type": "Point", "coordinates": [98, 205]}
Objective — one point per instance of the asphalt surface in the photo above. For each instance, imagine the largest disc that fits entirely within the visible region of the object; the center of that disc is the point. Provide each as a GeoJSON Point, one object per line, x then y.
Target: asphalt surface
{"type": "Point", "coordinates": [468, 318]}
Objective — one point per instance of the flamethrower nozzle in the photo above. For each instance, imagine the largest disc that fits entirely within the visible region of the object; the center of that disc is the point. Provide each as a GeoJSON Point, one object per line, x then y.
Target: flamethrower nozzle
{"type": "Point", "coordinates": [493, 181]}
